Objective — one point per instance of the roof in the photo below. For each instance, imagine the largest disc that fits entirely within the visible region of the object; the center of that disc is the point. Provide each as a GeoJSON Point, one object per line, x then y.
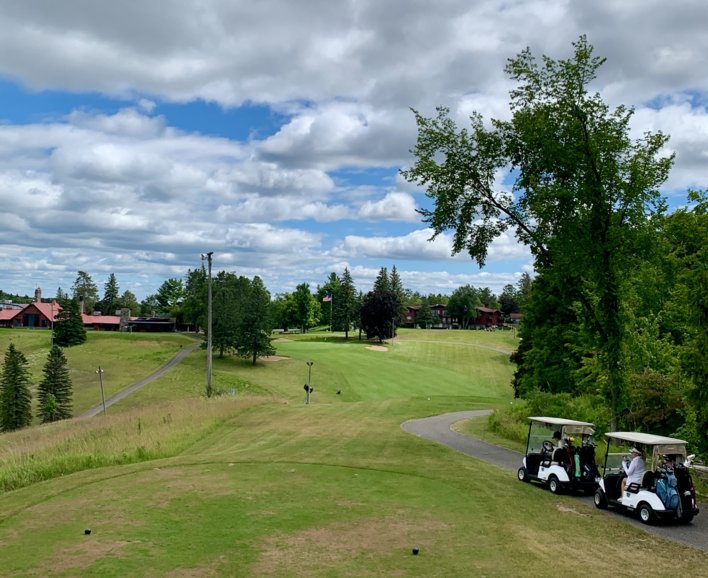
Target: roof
{"type": "Point", "coordinates": [6, 314]}
{"type": "Point", "coordinates": [487, 310]}
{"type": "Point", "coordinates": [49, 310]}
{"type": "Point", "coordinates": [101, 319]}
{"type": "Point", "coordinates": [643, 438]}
{"type": "Point", "coordinates": [561, 421]}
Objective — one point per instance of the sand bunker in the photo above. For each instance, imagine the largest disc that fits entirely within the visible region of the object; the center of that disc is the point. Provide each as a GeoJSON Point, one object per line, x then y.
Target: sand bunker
{"type": "Point", "coordinates": [272, 358]}
{"type": "Point", "coordinates": [377, 348]}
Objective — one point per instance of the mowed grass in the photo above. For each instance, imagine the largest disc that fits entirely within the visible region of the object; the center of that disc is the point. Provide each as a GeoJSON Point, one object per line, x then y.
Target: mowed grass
{"type": "Point", "coordinates": [272, 487]}
{"type": "Point", "coordinates": [124, 357]}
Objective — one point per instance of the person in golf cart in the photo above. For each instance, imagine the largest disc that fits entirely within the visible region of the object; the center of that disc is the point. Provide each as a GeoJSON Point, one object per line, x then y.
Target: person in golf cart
{"type": "Point", "coordinates": [634, 469]}
{"type": "Point", "coordinates": [665, 490]}
{"type": "Point", "coordinates": [560, 465]}
{"type": "Point", "coordinates": [558, 438]}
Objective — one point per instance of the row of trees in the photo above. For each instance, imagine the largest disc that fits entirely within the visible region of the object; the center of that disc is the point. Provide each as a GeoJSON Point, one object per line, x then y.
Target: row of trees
{"type": "Point", "coordinates": [54, 392]}
{"type": "Point", "coordinates": [617, 310]}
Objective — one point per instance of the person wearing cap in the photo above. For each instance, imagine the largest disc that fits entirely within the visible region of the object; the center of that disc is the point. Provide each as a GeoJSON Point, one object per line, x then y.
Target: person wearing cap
{"type": "Point", "coordinates": [559, 440]}
{"type": "Point", "coordinates": [635, 470]}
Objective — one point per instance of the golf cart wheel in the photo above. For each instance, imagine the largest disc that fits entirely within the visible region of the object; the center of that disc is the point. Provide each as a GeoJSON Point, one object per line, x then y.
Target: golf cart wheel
{"type": "Point", "coordinates": [554, 485]}
{"type": "Point", "coordinates": [646, 514]}
{"type": "Point", "coordinates": [600, 499]}
{"type": "Point", "coordinates": [687, 518]}
{"type": "Point", "coordinates": [522, 475]}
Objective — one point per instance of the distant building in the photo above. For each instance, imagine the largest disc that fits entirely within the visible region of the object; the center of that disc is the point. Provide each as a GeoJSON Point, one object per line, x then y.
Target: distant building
{"type": "Point", "coordinates": [40, 315]}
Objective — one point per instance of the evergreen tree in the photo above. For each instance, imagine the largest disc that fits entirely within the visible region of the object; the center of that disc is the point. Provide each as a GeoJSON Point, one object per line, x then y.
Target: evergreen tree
{"type": "Point", "coordinates": [398, 289]}
{"type": "Point", "coordinates": [382, 282]}
{"type": "Point", "coordinates": [69, 327]}
{"type": "Point", "coordinates": [15, 398]}
{"type": "Point", "coordinates": [424, 317]}
{"type": "Point", "coordinates": [84, 289]}
{"type": "Point", "coordinates": [347, 305]}
{"type": "Point", "coordinates": [378, 312]}
{"type": "Point", "coordinates": [54, 391]}
{"type": "Point", "coordinates": [110, 303]}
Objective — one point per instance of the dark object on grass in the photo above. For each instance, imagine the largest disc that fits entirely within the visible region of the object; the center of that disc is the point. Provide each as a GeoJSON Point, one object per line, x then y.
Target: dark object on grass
{"type": "Point", "coordinates": [415, 551]}
{"type": "Point", "coordinates": [339, 391]}
{"type": "Point", "coordinates": [87, 531]}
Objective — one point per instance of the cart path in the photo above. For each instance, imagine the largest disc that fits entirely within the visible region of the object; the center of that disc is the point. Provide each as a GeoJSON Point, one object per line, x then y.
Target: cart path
{"type": "Point", "coordinates": [181, 354]}
{"type": "Point", "coordinates": [438, 429]}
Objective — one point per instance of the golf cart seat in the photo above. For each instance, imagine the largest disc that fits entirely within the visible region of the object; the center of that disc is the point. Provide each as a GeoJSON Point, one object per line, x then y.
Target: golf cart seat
{"type": "Point", "coordinates": [648, 480]}
{"type": "Point", "coordinates": [560, 455]}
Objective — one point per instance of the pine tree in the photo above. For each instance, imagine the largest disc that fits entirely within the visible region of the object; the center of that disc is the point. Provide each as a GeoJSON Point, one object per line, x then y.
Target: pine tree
{"type": "Point", "coordinates": [15, 398]}
{"type": "Point", "coordinates": [69, 327]}
{"type": "Point", "coordinates": [54, 392]}
{"type": "Point", "coordinates": [111, 302]}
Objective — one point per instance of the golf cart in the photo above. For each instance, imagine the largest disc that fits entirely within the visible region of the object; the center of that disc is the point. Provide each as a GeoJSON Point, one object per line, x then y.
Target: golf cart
{"type": "Point", "coordinates": [666, 490]}
{"type": "Point", "coordinates": [563, 464]}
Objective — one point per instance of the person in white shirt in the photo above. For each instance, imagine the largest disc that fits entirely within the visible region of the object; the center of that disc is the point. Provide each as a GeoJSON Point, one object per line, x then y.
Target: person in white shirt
{"type": "Point", "coordinates": [635, 470]}
{"type": "Point", "coordinates": [559, 440]}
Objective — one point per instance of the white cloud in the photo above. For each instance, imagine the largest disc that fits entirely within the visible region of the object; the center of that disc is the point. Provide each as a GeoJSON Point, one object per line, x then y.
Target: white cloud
{"type": "Point", "coordinates": [129, 190]}
{"type": "Point", "coordinates": [395, 206]}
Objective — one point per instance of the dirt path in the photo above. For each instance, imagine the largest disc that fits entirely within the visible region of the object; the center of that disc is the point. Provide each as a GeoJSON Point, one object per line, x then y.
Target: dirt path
{"type": "Point", "coordinates": [437, 429]}
{"type": "Point", "coordinates": [131, 388]}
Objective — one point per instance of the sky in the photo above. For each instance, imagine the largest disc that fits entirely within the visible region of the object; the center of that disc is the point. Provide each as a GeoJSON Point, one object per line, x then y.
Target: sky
{"type": "Point", "coordinates": [136, 136]}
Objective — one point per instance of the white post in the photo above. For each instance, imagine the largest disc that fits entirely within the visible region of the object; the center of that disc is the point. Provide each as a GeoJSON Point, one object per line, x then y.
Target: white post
{"type": "Point", "coordinates": [100, 380]}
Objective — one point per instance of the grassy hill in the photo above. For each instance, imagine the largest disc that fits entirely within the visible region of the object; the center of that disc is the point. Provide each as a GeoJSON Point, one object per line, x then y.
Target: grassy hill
{"type": "Point", "coordinates": [256, 483]}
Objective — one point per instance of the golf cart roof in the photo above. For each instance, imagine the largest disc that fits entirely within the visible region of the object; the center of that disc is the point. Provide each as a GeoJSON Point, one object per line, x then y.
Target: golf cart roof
{"type": "Point", "coordinates": [560, 421]}
{"type": "Point", "coordinates": [644, 438]}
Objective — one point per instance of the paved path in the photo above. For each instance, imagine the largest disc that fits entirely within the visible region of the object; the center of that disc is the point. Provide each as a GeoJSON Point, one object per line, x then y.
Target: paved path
{"type": "Point", "coordinates": [437, 428]}
{"type": "Point", "coordinates": [131, 388]}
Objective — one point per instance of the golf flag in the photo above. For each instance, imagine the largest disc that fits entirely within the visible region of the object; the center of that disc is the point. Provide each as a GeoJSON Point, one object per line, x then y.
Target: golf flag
{"type": "Point", "coordinates": [327, 299]}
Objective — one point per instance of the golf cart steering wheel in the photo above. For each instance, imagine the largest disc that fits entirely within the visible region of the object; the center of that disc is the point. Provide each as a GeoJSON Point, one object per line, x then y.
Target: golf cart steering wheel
{"type": "Point", "coordinates": [548, 446]}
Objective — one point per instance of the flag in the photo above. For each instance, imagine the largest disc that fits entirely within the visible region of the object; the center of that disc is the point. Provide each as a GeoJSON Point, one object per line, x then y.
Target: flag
{"type": "Point", "coordinates": [327, 299]}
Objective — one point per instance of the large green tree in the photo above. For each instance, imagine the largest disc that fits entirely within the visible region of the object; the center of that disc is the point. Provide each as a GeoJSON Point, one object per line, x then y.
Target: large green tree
{"type": "Point", "coordinates": [686, 318]}
{"type": "Point", "coordinates": [253, 326]}
{"type": "Point", "coordinates": [84, 291]}
{"type": "Point", "coordinates": [170, 296]}
{"type": "Point", "coordinates": [378, 312]}
{"type": "Point", "coordinates": [129, 301]}
{"type": "Point", "coordinates": [583, 192]}
{"type": "Point", "coordinates": [227, 305]}
{"type": "Point", "coordinates": [347, 305]}
{"type": "Point", "coordinates": [15, 398]}
{"type": "Point", "coordinates": [69, 327]}
{"type": "Point", "coordinates": [110, 302]}
{"type": "Point", "coordinates": [55, 390]}
{"type": "Point", "coordinates": [306, 307]}
{"type": "Point", "coordinates": [194, 306]}
{"type": "Point", "coordinates": [462, 303]}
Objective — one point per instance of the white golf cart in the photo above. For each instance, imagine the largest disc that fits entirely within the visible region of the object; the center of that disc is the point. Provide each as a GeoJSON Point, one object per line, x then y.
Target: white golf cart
{"type": "Point", "coordinates": [666, 490]}
{"type": "Point", "coordinates": [555, 458]}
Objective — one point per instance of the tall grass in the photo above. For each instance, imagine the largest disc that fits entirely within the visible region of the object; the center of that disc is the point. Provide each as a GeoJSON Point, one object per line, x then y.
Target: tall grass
{"type": "Point", "coordinates": [36, 454]}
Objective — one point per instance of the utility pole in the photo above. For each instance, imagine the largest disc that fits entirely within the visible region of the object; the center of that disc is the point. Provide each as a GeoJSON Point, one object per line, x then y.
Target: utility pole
{"type": "Point", "coordinates": [208, 388]}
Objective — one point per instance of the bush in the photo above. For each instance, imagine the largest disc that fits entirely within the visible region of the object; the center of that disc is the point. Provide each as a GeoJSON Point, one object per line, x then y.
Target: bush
{"type": "Point", "coordinates": [512, 422]}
